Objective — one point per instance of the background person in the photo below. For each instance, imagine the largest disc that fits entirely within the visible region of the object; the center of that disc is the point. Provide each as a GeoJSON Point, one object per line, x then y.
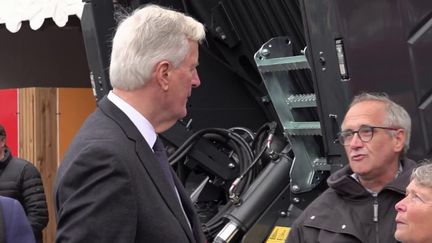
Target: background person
{"type": "Point", "coordinates": [14, 226]}
{"type": "Point", "coordinates": [115, 183]}
{"type": "Point", "coordinates": [21, 180]}
{"type": "Point", "coordinates": [357, 206]}
{"type": "Point", "coordinates": [414, 212]}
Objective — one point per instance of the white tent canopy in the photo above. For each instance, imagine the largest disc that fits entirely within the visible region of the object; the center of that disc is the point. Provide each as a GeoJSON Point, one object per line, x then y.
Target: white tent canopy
{"type": "Point", "coordinates": [12, 12]}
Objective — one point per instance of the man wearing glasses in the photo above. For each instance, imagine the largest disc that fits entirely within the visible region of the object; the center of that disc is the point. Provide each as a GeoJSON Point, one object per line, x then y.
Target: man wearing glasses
{"type": "Point", "coordinates": [359, 204]}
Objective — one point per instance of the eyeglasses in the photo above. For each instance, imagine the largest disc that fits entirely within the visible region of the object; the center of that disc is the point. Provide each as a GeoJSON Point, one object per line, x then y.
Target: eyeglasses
{"type": "Point", "coordinates": [365, 134]}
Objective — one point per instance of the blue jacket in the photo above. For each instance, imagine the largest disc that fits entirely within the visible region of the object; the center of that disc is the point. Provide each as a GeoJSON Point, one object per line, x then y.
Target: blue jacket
{"type": "Point", "coordinates": [16, 227]}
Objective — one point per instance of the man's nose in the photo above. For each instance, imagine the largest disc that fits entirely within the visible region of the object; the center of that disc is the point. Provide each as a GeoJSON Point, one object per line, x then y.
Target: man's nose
{"type": "Point", "coordinates": [356, 141]}
{"type": "Point", "coordinates": [196, 82]}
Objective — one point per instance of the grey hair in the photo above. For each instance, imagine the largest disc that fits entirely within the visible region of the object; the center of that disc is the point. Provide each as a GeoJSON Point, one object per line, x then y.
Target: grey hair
{"type": "Point", "coordinates": [423, 173]}
{"type": "Point", "coordinates": [396, 115]}
{"type": "Point", "coordinates": [149, 35]}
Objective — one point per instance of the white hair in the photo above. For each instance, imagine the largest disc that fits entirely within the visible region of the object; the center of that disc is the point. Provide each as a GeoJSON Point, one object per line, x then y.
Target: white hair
{"type": "Point", "coordinates": [396, 115]}
{"type": "Point", "coordinates": [150, 35]}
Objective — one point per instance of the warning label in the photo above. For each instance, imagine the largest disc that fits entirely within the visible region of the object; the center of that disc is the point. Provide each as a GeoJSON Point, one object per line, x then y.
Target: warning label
{"type": "Point", "coordinates": [278, 235]}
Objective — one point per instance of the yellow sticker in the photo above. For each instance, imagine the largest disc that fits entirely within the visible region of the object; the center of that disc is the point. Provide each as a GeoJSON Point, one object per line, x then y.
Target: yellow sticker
{"type": "Point", "coordinates": [278, 234]}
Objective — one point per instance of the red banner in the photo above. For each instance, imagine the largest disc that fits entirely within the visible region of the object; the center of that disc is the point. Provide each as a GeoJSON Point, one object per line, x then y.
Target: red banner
{"type": "Point", "coordinates": [9, 117]}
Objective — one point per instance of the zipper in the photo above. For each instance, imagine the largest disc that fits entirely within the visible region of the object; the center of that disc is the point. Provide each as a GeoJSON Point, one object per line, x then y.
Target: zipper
{"type": "Point", "coordinates": [375, 218]}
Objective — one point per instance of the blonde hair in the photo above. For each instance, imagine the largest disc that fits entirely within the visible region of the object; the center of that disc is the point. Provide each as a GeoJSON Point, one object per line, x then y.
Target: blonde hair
{"type": "Point", "coordinates": [423, 173]}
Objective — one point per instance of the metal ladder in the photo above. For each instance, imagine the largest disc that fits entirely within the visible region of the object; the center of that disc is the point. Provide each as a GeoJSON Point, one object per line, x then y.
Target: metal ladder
{"type": "Point", "coordinates": [274, 61]}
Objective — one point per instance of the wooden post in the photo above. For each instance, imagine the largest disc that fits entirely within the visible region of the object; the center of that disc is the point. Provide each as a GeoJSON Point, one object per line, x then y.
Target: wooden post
{"type": "Point", "coordinates": [38, 141]}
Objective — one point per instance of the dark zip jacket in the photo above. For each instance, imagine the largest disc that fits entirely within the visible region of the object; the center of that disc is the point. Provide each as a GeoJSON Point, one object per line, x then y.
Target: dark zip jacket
{"type": "Point", "coordinates": [347, 213]}
{"type": "Point", "coordinates": [20, 180]}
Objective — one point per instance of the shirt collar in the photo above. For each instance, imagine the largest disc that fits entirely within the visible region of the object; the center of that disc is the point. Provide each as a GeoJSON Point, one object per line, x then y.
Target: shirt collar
{"type": "Point", "coordinates": [355, 176]}
{"type": "Point", "coordinates": [141, 123]}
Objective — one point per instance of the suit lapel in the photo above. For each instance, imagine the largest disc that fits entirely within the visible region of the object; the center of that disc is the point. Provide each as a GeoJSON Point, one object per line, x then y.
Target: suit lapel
{"type": "Point", "coordinates": [165, 189]}
{"type": "Point", "coordinates": [149, 161]}
{"type": "Point", "coordinates": [190, 212]}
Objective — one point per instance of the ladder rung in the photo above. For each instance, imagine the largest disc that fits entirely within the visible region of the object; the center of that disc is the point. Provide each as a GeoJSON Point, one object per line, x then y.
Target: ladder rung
{"type": "Point", "coordinates": [303, 128]}
{"type": "Point", "coordinates": [282, 64]}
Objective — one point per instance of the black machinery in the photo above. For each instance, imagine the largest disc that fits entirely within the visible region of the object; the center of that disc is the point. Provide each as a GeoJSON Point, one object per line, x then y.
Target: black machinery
{"type": "Point", "coordinates": [254, 158]}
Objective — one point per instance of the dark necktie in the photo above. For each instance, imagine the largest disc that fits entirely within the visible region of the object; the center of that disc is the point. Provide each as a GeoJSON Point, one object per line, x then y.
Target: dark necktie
{"type": "Point", "coordinates": [161, 155]}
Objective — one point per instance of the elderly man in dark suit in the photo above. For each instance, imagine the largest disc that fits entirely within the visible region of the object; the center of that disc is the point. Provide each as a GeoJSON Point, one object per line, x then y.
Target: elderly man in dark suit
{"type": "Point", "coordinates": [113, 184]}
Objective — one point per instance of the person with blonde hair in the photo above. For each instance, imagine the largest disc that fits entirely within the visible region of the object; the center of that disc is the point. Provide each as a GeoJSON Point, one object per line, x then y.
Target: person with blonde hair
{"type": "Point", "coordinates": [414, 212]}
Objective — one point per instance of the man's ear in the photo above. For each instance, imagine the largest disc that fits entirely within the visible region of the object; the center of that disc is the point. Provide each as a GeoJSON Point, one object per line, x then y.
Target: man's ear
{"type": "Point", "coordinates": [399, 140]}
{"type": "Point", "coordinates": [162, 70]}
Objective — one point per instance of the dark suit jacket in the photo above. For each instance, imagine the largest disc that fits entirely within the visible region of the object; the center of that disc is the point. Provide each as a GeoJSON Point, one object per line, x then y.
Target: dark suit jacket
{"type": "Point", "coordinates": [15, 227]}
{"type": "Point", "coordinates": [111, 188]}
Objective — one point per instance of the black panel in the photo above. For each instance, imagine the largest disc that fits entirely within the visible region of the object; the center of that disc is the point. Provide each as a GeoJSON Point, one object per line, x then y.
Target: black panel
{"type": "Point", "coordinates": [222, 100]}
{"type": "Point", "coordinates": [386, 45]}
{"type": "Point", "coordinates": [419, 49]}
{"type": "Point", "coordinates": [97, 27]}
{"type": "Point", "coordinates": [48, 57]}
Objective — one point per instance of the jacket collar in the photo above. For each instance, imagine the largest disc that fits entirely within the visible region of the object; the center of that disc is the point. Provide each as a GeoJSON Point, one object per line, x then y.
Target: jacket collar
{"type": "Point", "coordinates": [345, 185]}
{"type": "Point", "coordinates": [5, 160]}
{"type": "Point", "coordinates": [150, 163]}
